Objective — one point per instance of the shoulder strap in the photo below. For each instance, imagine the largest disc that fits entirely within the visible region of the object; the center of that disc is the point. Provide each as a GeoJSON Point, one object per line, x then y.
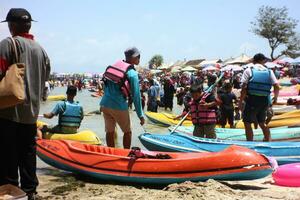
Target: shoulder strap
{"type": "Point", "coordinates": [15, 50]}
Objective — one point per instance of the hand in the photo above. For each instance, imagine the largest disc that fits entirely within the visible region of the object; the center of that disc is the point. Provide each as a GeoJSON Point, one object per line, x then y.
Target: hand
{"type": "Point", "coordinates": [205, 105]}
{"type": "Point", "coordinates": [142, 121]}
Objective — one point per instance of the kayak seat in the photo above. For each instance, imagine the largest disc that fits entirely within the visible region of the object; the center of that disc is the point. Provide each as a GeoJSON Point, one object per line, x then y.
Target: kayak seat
{"type": "Point", "coordinates": [99, 149]}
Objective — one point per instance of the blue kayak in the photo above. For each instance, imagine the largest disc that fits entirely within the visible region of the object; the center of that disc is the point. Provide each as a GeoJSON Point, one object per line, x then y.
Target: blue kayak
{"type": "Point", "coordinates": [283, 152]}
{"type": "Point", "coordinates": [277, 134]}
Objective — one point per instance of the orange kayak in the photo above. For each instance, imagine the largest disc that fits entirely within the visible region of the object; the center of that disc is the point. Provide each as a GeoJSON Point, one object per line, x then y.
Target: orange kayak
{"type": "Point", "coordinates": [113, 164]}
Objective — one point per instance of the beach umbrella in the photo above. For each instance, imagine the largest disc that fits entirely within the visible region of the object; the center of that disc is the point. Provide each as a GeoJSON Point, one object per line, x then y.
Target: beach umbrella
{"type": "Point", "coordinates": [211, 68]}
{"type": "Point", "coordinates": [272, 65]}
{"type": "Point", "coordinates": [175, 70]}
{"type": "Point", "coordinates": [287, 60]}
{"type": "Point", "coordinates": [155, 71]}
{"type": "Point", "coordinates": [189, 69]}
{"type": "Point", "coordinates": [163, 67]}
{"type": "Point", "coordinates": [232, 68]}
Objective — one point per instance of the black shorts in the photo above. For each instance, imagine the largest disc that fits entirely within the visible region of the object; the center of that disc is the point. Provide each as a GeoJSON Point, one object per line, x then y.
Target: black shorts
{"type": "Point", "coordinates": [227, 115]}
{"type": "Point", "coordinates": [255, 109]}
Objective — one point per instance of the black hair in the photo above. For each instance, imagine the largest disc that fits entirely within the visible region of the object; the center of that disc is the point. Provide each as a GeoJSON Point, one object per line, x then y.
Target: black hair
{"type": "Point", "coordinates": [21, 27]}
{"type": "Point", "coordinates": [72, 90]}
{"type": "Point", "coordinates": [196, 88]}
{"type": "Point", "coordinates": [227, 86]}
{"type": "Point", "coordinates": [290, 101]}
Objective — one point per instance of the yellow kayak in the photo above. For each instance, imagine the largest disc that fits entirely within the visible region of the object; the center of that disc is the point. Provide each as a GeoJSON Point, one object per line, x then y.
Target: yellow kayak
{"type": "Point", "coordinates": [56, 98]}
{"type": "Point", "coordinates": [165, 119]}
{"type": "Point", "coordinates": [86, 136]}
{"type": "Point", "coordinates": [287, 119]}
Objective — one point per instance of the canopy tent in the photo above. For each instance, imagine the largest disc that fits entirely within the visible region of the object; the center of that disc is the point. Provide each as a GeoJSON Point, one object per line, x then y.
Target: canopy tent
{"type": "Point", "coordinates": [242, 59]}
{"type": "Point", "coordinates": [232, 68]}
{"type": "Point", "coordinates": [189, 69]}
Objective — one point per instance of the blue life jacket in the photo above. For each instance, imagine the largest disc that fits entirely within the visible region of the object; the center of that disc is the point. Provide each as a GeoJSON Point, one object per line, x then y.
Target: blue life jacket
{"type": "Point", "coordinates": [260, 83]}
{"type": "Point", "coordinates": [72, 115]}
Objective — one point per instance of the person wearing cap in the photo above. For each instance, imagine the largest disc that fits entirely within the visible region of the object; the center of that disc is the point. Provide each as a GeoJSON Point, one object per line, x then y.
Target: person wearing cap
{"type": "Point", "coordinates": [70, 114]}
{"type": "Point", "coordinates": [115, 107]}
{"type": "Point", "coordinates": [18, 123]}
{"type": "Point", "coordinates": [257, 82]}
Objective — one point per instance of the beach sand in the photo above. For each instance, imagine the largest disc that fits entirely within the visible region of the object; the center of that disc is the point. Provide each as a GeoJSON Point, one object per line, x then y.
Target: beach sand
{"type": "Point", "coordinates": [56, 184]}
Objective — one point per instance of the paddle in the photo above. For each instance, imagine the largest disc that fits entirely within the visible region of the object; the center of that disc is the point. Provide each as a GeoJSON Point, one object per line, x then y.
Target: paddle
{"type": "Point", "coordinates": [180, 122]}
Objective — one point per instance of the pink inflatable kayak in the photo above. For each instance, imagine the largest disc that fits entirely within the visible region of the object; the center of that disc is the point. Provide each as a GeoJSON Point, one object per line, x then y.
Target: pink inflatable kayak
{"type": "Point", "coordinates": [288, 91]}
{"type": "Point", "coordinates": [287, 175]}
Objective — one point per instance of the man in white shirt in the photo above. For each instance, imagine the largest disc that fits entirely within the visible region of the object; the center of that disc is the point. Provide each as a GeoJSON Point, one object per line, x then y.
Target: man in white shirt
{"type": "Point", "coordinates": [257, 82]}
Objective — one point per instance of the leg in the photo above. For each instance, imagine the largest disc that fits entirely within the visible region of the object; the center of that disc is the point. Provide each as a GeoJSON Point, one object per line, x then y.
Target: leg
{"type": "Point", "coordinates": [249, 131]}
{"type": "Point", "coordinates": [210, 131]}
{"type": "Point", "coordinates": [110, 139]}
{"type": "Point", "coordinates": [110, 126]}
{"type": "Point", "coordinates": [127, 140]}
{"type": "Point", "coordinates": [27, 157]}
{"type": "Point", "coordinates": [266, 131]}
{"type": "Point", "coordinates": [123, 120]}
{"type": "Point", "coordinates": [199, 131]}
{"type": "Point", "coordinates": [231, 118]}
{"type": "Point", "coordinates": [8, 153]}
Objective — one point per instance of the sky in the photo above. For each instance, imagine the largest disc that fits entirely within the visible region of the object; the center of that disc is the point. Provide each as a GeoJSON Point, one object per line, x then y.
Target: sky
{"type": "Point", "coordinates": [86, 36]}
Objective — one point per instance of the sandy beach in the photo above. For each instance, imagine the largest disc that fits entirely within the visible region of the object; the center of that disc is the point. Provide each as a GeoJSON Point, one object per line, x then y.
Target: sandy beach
{"type": "Point", "coordinates": [56, 184]}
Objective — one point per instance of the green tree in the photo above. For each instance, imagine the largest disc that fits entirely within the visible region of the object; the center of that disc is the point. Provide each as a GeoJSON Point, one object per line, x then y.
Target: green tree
{"type": "Point", "coordinates": [279, 29]}
{"type": "Point", "coordinates": [156, 61]}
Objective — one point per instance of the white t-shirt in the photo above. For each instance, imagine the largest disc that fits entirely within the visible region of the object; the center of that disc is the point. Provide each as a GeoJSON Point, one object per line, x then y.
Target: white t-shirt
{"type": "Point", "coordinates": [248, 74]}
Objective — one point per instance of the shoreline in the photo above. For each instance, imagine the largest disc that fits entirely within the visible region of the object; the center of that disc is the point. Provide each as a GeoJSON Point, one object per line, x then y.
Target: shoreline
{"type": "Point", "coordinates": [57, 184]}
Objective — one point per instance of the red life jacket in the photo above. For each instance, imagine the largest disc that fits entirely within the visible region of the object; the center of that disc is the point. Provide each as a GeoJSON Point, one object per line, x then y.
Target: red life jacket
{"type": "Point", "coordinates": [202, 115]}
{"type": "Point", "coordinates": [117, 73]}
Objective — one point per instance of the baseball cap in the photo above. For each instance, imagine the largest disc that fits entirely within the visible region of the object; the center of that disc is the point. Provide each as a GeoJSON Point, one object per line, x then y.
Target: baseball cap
{"type": "Point", "coordinates": [18, 15]}
{"type": "Point", "coordinates": [259, 57]}
{"type": "Point", "coordinates": [132, 52]}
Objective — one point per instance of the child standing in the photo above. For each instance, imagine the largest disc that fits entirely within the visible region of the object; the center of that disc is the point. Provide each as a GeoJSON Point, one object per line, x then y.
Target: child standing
{"type": "Point", "coordinates": [203, 112]}
{"type": "Point", "coordinates": [227, 108]}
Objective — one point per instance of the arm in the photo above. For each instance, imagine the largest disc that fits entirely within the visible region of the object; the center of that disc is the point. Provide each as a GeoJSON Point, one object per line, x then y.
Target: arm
{"type": "Point", "coordinates": [243, 95]}
{"type": "Point", "coordinates": [135, 91]}
{"type": "Point", "coordinates": [57, 109]}
{"type": "Point", "coordinates": [276, 92]}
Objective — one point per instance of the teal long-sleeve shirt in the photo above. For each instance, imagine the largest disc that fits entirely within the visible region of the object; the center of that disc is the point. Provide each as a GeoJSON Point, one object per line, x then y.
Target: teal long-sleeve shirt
{"type": "Point", "coordinates": [113, 97]}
